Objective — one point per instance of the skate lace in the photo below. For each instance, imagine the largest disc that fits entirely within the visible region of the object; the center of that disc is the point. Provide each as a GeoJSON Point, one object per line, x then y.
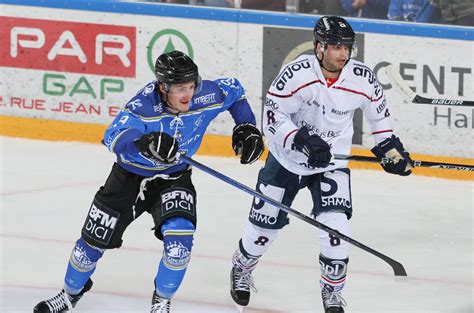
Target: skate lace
{"type": "Point", "coordinates": [163, 306]}
{"type": "Point", "coordinates": [244, 281]}
{"type": "Point", "coordinates": [60, 302]}
{"type": "Point", "coordinates": [333, 299]}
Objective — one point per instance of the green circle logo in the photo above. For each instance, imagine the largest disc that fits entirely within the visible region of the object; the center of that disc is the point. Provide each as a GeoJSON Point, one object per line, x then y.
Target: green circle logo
{"type": "Point", "coordinates": [166, 41]}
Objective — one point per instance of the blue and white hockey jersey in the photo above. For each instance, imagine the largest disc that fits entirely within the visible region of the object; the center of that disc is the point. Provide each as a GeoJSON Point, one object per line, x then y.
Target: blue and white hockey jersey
{"type": "Point", "coordinates": [146, 112]}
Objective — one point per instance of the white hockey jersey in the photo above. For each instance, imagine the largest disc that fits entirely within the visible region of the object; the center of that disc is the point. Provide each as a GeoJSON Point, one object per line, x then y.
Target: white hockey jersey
{"type": "Point", "coordinates": [299, 96]}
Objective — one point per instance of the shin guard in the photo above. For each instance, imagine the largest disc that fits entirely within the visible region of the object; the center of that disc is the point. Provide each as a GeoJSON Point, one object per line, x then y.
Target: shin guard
{"type": "Point", "coordinates": [333, 273]}
{"type": "Point", "coordinates": [82, 264]}
{"type": "Point", "coordinates": [256, 240]}
{"type": "Point", "coordinates": [178, 235]}
{"type": "Point", "coordinates": [334, 255]}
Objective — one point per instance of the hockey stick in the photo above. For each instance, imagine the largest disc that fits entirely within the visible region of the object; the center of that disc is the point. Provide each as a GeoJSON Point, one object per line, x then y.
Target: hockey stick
{"type": "Point", "coordinates": [447, 166]}
{"type": "Point", "coordinates": [397, 267]}
{"type": "Point", "coordinates": [410, 96]}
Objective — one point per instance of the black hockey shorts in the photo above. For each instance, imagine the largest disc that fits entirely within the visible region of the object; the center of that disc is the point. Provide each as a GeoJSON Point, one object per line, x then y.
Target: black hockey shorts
{"type": "Point", "coordinates": [330, 191]}
{"type": "Point", "coordinates": [125, 196]}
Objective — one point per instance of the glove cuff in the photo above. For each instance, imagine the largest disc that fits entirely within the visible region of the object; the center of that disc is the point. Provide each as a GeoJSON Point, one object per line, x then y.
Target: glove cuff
{"type": "Point", "coordinates": [301, 135]}
{"type": "Point", "coordinates": [379, 154]}
{"type": "Point", "coordinates": [244, 125]}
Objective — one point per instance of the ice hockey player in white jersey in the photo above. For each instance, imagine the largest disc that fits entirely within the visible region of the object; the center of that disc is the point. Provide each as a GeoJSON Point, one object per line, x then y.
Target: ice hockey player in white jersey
{"type": "Point", "coordinates": [307, 118]}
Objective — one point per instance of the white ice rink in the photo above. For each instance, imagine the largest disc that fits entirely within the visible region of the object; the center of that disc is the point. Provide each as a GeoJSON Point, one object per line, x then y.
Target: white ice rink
{"type": "Point", "coordinates": [46, 189]}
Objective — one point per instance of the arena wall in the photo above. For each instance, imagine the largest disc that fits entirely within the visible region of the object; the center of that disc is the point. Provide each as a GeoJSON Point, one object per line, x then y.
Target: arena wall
{"type": "Point", "coordinates": [67, 67]}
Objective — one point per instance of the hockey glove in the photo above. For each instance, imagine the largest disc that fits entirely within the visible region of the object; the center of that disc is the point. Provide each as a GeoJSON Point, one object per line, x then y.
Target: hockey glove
{"type": "Point", "coordinates": [393, 157]}
{"type": "Point", "coordinates": [316, 149]}
{"type": "Point", "coordinates": [158, 146]}
{"type": "Point", "coordinates": [247, 142]}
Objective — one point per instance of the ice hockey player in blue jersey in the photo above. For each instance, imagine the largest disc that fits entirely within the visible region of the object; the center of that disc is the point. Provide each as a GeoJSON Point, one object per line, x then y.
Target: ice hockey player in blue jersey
{"type": "Point", "coordinates": [167, 117]}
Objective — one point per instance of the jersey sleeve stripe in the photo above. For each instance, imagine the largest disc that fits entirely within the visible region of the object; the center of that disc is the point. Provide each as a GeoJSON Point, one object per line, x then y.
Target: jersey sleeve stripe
{"type": "Point", "coordinates": [112, 144]}
{"type": "Point", "coordinates": [358, 92]}
{"type": "Point", "coordinates": [288, 135]}
{"type": "Point", "coordinates": [295, 91]}
{"type": "Point", "coordinates": [383, 131]}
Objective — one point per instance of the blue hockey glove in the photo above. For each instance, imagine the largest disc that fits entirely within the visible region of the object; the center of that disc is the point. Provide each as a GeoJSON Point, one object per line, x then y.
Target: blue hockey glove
{"type": "Point", "coordinates": [247, 142]}
{"type": "Point", "coordinates": [314, 147]}
{"type": "Point", "coordinates": [158, 146]}
{"type": "Point", "coordinates": [393, 156]}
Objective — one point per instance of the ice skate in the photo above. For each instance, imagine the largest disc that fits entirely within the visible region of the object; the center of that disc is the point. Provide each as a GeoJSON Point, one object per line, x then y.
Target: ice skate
{"type": "Point", "coordinates": [241, 282]}
{"type": "Point", "coordinates": [159, 304]}
{"type": "Point", "coordinates": [62, 302]}
{"type": "Point", "coordinates": [333, 302]}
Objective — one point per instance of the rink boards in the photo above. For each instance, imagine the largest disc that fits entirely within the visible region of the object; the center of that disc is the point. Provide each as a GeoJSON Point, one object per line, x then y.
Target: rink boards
{"type": "Point", "coordinates": [70, 65]}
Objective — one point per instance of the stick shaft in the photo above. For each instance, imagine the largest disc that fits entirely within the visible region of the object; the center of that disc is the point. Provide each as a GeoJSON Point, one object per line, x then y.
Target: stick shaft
{"type": "Point", "coordinates": [397, 267]}
{"type": "Point", "coordinates": [369, 159]}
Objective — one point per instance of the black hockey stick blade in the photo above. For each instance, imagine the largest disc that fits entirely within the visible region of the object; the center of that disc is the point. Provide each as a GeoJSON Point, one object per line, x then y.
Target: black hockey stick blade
{"type": "Point", "coordinates": [464, 103]}
{"type": "Point", "coordinates": [410, 96]}
{"type": "Point", "coordinates": [369, 159]}
{"type": "Point", "coordinates": [397, 267]}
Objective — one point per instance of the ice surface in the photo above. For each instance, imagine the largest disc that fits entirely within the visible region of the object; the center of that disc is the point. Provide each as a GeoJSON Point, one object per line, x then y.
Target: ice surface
{"type": "Point", "coordinates": [47, 187]}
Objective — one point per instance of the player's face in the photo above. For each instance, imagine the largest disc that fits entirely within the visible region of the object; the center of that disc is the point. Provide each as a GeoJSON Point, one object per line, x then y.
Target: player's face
{"type": "Point", "coordinates": [336, 56]}
{"type": "Point", "coordinates": [179, 96]}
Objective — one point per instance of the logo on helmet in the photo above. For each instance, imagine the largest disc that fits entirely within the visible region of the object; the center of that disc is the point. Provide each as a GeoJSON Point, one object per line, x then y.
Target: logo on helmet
{"type": "Point", "coordinates": [326, 24]}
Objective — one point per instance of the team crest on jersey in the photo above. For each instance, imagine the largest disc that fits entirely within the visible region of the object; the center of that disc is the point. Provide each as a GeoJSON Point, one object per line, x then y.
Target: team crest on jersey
{"type": "Point", "coordinates": [148, 89]}
{"type": "Point", "coordinates": [198, 121]}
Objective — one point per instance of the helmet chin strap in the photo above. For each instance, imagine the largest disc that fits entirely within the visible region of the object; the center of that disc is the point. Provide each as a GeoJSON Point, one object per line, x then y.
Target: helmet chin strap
{"type": "Point", "coordinates": [164, 95]}
{"type": "Point", "coordinates": [322, 65]}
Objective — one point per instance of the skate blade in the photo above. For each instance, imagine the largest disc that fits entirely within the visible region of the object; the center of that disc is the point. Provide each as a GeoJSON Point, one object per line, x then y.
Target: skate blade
{"type": "Point", "coordinates": [239, 308]}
